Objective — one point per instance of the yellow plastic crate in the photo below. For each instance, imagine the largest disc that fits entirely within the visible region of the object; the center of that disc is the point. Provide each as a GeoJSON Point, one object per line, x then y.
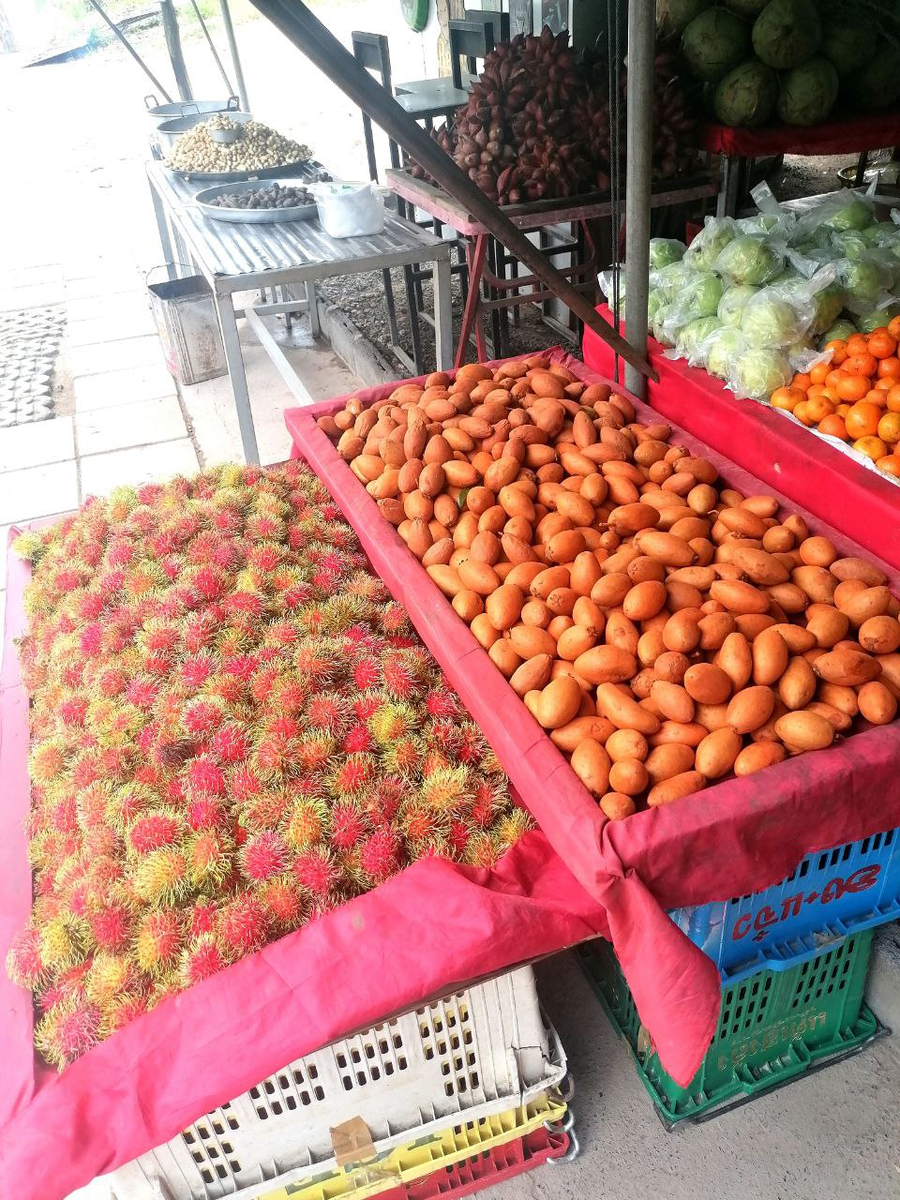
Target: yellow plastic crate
{"type": "Point", "coordinates": [377, 1173]}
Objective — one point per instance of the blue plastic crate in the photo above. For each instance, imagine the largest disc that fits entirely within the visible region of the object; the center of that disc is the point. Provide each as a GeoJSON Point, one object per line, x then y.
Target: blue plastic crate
{"type": "Point", "coordinates": [828, 896]}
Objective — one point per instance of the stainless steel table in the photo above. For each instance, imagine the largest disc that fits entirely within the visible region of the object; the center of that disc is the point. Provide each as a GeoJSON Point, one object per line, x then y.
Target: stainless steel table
{"type": "Point", "coordinates": [242, 257]}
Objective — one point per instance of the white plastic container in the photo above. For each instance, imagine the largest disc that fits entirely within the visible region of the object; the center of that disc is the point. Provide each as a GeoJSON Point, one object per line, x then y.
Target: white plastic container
{"type": "Point", "coordinates": [349, 209]}
{"type": "Point", "coordinates": [477, 1052]}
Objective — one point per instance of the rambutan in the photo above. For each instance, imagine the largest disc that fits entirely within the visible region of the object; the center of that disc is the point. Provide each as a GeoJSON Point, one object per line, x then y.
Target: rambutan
{"type": "Point", "coordinates": [306, 824]}
{"type": "Point", "coordinates": [354, 775]}
{"type": "Point", "coordinates": [200, 959]}
{"type": "Point", "coordinates": [348, 825]}
{"type": "Point", "coordinates": [379, 855]}
{"type": "Point", "coordinates": [24, 962]}
{"type": "Point", "coordinates": [314, 751]}
{"type": "Point", "coordinates": [266, 810]}
{"type": "Point", "coordinates": [316, 872]}
{"type": "Point", "coordinates": [446, 790]}
{"type": "Point", "coordinates": [73, 710]}
{"type": "Point", "coordinates": [160, 827]}
{"type": "Point", "coordinates": [391, 722]}
{"type": "Point", "coordinates": [482, 850]}
{"type": "Point", "coordinates": [422, 825]}
{"type": "Point", "coordinates": [487, 802]}
{"type": "Point", "coordinates": [263, 855]}
{"type": "Point", "coordinates": [202, 716]}
{"type": "Point", "coordinates": [281, 900]}
{"type": "Point", "coordinates": [404, 672]}
{"type": "Point", "coordinates": [367, 673]}
{"type": "Point", "coordinates": [122, 1011]}
{"type": "Point", "coordinates": [404, 757]}
{"type": "Point", "coordinates": [208, 855]}
{"type": "Point", "coordinates": [68, 1031]}
{"type": "Point", "coordinates": [161, 876]}
{"type": "Point", "coordinates": [384, 800]}
{"type": "Point", "coordinates": [230, 743]}
{"type": "Point", "coordinates": [241, 927]}
{"type": "Point", "coordinates": [197, 669]}
{"type": "Point", "coordinates": [393, 619]}
{"type": "Point", "coordinates": [357, 739]}
{"type": "Point", "coordinates": [329, 712]}
{"type": "Point", "coordinates": [275, 756]}
{"type": "Point", "coordinates": [513, 826]}
{"type": "Point", "coordinates": [204, 776]}
{"type": "Point", "coordinates": [158, 940]}
{"type": "Point", "coordinates": [201, 918]}
{"type": "Point", "coordinates": [110, 974]}
{"type": "Point", "coordinates": [62, 942]}
{"type": "Point", "coordinates": [111, 927]}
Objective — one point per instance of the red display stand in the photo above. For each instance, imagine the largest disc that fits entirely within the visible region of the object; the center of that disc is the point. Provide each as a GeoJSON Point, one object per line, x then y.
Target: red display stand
{"type": "Point", "coordinates": [858, 501]}
{"type": "Point", "coordinates": [849, 136]}
{"type": "Point", "coordinates": [736, 837]}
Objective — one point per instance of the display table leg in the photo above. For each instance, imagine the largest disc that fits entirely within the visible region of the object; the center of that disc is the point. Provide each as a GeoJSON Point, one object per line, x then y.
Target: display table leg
{"type": "Point", "coordinates": [238, 376]}
{"type": "Point", "coordinates": [476, 250]}
{"type": "Point", "coordinates": [443, 315]}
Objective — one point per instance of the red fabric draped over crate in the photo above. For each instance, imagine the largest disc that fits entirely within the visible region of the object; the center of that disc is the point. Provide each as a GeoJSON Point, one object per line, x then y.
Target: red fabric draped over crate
{"type": "Point", "coordinates": [859, 501]}
{"type": "Point", "coordinates": [739, 836]}
{"type": "Point", "coordinates": [849, 136]}
{"type": "Point", "coordinates": [434, 926]}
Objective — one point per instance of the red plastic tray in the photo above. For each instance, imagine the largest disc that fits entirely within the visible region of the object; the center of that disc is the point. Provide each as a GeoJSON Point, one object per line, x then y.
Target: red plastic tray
{"type": "Point", "coordinates": [854, 499]}
{"type": "Point", "coordinates": [739, 836]}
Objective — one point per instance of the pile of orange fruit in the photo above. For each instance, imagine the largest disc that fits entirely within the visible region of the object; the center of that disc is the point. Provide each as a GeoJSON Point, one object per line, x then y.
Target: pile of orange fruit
{"type": "Point", "coordinates": [855, 396]}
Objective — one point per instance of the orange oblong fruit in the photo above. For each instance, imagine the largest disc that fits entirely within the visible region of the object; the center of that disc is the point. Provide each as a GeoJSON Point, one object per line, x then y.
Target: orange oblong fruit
{"type": "Point", "coordinates": [862, 420]}
{"type": "Point", "coordinates": [871, 447]}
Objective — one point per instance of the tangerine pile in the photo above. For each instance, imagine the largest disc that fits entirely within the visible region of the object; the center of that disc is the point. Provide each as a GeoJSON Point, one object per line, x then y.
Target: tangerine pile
{"type": "Point", "coordinates": [855, 396]}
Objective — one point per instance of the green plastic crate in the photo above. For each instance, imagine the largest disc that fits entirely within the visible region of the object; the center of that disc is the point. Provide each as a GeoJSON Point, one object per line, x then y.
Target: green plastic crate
{"type": "Point", "coordinates": [773, 1026]}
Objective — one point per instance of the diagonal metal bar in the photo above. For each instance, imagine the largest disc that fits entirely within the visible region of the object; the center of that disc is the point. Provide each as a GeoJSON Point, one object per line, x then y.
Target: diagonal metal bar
{"type": "Point", "coordinates": [310, 36]}
{"type": "Point", "coordinates": [131, 50]}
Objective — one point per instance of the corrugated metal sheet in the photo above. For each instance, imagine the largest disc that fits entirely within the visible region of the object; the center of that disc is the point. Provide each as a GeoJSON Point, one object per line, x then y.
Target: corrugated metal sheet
{"type": "Point", "coordinates": [234, 249]}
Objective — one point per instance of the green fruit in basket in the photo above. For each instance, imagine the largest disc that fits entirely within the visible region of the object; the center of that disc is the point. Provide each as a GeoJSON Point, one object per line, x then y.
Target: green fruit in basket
{"type": "Point", "coordinates": [877, 85]}
{"type": "Point", "coordinates": [808, 93]}
{"type": "Point", "coordinates": [849, 42]}
{"type": "Point", "coordinates": [715, 42]}
{"type": "Point", "coordinates": [786, 33]}
{"type": "Point", "coordinates": [673, 16]}
{"type": "Point", "coordinates": [747, 95]}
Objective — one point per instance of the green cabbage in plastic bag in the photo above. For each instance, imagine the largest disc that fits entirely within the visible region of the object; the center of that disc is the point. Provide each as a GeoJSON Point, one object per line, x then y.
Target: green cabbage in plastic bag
{"type": "Point", "coordinates": [692, 335]}
{"type": "Point", "coordinates": [665, 251]}
{"type": "Point", "coordinates": [658, 324]}
{"type": "Point", "coordinates": [722, 348]}
{"type": "Point", "coordinates": [864, 281]}
{"type": "Point", "coordinates": [839, 331]}
{"type": "Point", "coordinates": [655, 301]}
{"type": "Point", "coordinates": [881, 234]}
{"type": "Point", "coordinates": [855, 215]}
{"type": "Point", "coordinates": [878, 317]}
{"type": "Point", "coordinates": [849, 243]}
{"type": "Point", "coordinates": [770, 321]}
{"type": "Point", "coordinates": [734, 299]}
{"type": "Point", "coordinates": [709, 242]}
{"type": "Point", "coordinates": [749, 259]}
{"type": "Point", "coordinates": [757, 373]}
{"type": "Point", "coordinates": [671, 280]}
{"type": "Point", "coordinates": [699, 297]}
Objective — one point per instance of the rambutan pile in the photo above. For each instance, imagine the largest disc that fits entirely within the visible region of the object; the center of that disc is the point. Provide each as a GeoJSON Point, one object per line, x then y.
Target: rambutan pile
{"type": "Point", "coordinates": [233, 730]}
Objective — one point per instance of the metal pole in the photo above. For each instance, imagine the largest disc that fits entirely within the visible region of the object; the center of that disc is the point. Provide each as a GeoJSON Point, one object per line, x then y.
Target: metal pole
{"type": "Point", "coordinates": [235, 57]}
{"type": "Point", "coordinates": [173, 42]}
{"type": "Point", "coordinates": [212, 47]}
{"type": "Point", "coordinates": [322, 48]}
{"type": "Point", "coordinates": [131, 50]}
{"type": "Point", "coordinates": [639, 151]}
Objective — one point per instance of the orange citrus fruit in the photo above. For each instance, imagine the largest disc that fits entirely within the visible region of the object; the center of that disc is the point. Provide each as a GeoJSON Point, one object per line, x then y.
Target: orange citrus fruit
{"type": "Point", "coordinates": [881, 344]}
{"type": "Point", "coordinates": [819, 407]}
{"type": "Point", "coordinates": [885, 383]}
{"type": "Point", "coordinates": [860, 364]}
{"type": "Point", "coordinates": [893, 399]}
{"type": "Point", "coordinates": [787, 397]}
{"type": "Point", "coordinates": [862, 419]}
{"type": "Point", "coordinates": [889, 368]}
{"type": "Point", "coordinates": [819, 372]}
{"type": "Point", "coordinates": [894, 327]}
{"type": "Point", "coordinates": [839, 351]}
{"type": "Point", "coordinates": [801, 380]}
{"type": "Point", "coordinates": [834, 426]}
{"type": "Point", "coordinates": [871, 447]}
{"type": "Point", "coordinates": [852, 387]}
{"type": "Point", "coordinates": [890, 464]}
{"type": "Point", "coordinates": [889, 428]}
{"type": "Point", "coordinates": [857, 343]}
{"type": "Point", "coordinates": [801, 413]}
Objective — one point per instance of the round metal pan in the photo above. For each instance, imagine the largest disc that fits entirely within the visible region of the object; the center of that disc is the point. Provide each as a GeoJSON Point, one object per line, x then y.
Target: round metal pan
{"type": "Point", "coordinates": [241, 176]}
{"type": "Point", "coordinates": [252, 216]}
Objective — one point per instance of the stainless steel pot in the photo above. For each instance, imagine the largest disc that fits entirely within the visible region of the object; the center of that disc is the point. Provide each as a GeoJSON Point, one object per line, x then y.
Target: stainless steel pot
{"type": "Point", "coordinates": [169, 132]}
{"type": "Point", "coordinates": [182, 108]}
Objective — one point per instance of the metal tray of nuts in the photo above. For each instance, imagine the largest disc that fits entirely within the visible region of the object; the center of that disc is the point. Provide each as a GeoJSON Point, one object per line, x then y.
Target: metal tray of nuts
{"type": "Point", "coordinates": [256, 216]}
{"type": "Point", "coordinates": [241, 176]}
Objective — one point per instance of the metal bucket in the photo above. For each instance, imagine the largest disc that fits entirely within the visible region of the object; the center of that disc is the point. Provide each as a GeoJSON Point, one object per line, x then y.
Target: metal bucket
{"type": "Point", "coordinates": [182, 108]}
{"type": "Point", "coordinates": [188, 328]}
{"type": "Point", "coordinates": [169, 132]}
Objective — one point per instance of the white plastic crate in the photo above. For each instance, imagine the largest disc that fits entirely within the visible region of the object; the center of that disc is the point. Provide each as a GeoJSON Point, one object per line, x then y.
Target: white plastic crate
{"type": "Point", "coordinates": [476, 1052]}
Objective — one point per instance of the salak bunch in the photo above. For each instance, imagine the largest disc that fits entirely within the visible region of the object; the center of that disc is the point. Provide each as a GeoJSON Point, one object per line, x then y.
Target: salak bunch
{"type": "Point", "coordinates": [233, 730]}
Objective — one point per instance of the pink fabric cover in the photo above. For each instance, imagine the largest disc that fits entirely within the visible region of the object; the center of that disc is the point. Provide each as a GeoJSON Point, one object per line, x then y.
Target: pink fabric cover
{"type": "Point", "coordinates": [737, 837]}
{"type": "Point", "coordinates": [857, 501]}
{"type": "Point", "coordinates": [849, 136]}
{"type": "Point", "coordinates": [430, 928]}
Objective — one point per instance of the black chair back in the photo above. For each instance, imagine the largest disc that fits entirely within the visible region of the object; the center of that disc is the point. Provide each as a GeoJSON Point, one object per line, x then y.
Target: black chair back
{"type": "Point", "coordinates": [472, 40]}
{"type": "Point", "coordinates": [371, 50]}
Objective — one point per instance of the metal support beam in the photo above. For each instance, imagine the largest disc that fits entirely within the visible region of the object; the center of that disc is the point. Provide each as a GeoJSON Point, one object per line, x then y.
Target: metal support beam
{"type": "Point", "coordinates": [131, 50]}
{"type": "Point", "coordinates": [638, 178]}
{"type": "Point", "coordinates": [173, 43]}
{"type": "Point", "coordinates": [308, 34]}
{"type": "Point", "coordinates": [235, 57]}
